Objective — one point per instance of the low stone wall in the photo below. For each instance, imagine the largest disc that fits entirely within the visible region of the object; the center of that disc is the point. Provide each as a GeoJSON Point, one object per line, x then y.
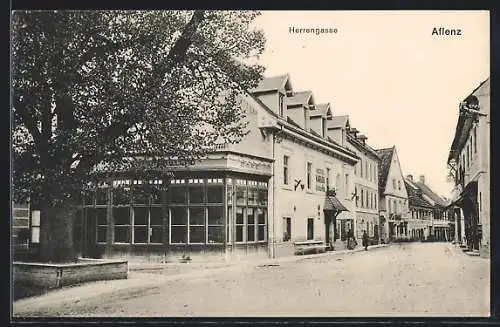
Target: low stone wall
{"type": "Point", "coordinates": [58, 275]}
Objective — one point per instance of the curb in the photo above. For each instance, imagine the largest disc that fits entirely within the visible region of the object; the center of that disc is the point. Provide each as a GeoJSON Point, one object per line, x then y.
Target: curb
{"type": "Point", "coordinates": [143, 279]}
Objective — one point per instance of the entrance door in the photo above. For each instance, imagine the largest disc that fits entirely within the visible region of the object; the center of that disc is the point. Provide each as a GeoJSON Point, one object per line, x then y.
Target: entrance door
{"type": "Point", "coordinates": [329, 226]}
{"type": "Point", "coordinates": [310, 228]}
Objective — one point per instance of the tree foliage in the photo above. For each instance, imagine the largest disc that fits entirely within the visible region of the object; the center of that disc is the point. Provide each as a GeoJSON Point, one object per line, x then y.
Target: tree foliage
{"type": "Point", "coordinates": [94, 87]}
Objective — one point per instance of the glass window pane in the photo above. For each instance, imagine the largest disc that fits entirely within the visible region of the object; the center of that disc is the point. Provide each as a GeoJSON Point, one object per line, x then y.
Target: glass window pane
{"type": "Point", "coordinates": [261, 216]}
{"type": "Point", "coordinates": [120, 196]}
{"type": "Point", "coordinates": [263, 197]}
{"type": "Point", "coordinates": [101, 234]}
{"type": "Point", "coordinates": [122, 234]}
{"type": "Point", "coordinates": [89, 198]}
{"type": "Point", "coordinates": [141, 216]}
{"type": "Point", "coordinates": [177, 195]}
{"type": "Point", "coordinates": [121, 216]}
{"type": "Point", "coordinates": [140, 195]}
{"type": "Point", "coordinates": [215, 194]}
{"type": "Point", "coordinates": [156, 234]}
{"type": "Point", "coordinates": [229, 194]}
{"type": "Point", "coordinates": [156, 216]}
{"type": "Point", "coordinates": [179, 216]}
{"type": "Point", "coordinates": [35, 234]}
{"type": "Point", "coordinates": [215, 234]}
{"type": "Point", "coordinates": [156, 195]}
{"type": "Point", "coordinates": [196, 194]}
{"type": "Point", "coordinates": [179, 234]}
{"type": "Point", "coordinates": [197, 234]}
{"type": "Point", "coordinates": [140, 234]}
{"type": "Point", "coordinates": [215, 215]}
{"type": "Point", "coordinates": [239, 233]}
{"type": "Point", "coordinates": [241, 195]}
{"type": "Point", "coordinates": [261, 233]}
{"type": "Point", "coordinates": [239, 215]}
{"type": "Point", "coordinates": [102, 216]}
{"type": "Point", "coordinates": [250, 233]}
{"type": "Point", "coordinates": [252, 196]}
{"type": "Point", "coordinates": [102, 196]}
{"type": "Point", "coordinates": [197, 216]}
{"type": "Point", "coordinates": [250, 216]}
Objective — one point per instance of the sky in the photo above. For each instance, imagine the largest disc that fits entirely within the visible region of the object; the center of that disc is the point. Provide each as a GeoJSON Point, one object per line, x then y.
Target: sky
{"type": "Point", "coordinates": [399, 84]}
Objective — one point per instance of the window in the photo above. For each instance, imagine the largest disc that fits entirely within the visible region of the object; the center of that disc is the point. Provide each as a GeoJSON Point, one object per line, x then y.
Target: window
{"type": "Point", "coordinates": [475, 139]}
{"type": "Point", "coordinates": [35, 226]}
{"type": "Point", "coordinates": [240, 224]}
{"type": "Point", "coordinates": [197, 225]}
{"type": "Point", "coordinates": [309, 172]}
{"type": "Point", "coordinates": [399, 185]}
{"type": "Point", "coordinates": [286, 170]}
{"type": "Point", "coordinates": [196, 191]}
{"type": "Point", "coordinates": [121, 216]}
{"type": "Point", "coordinates": [178, 229]}
{"type": "Point", "coordinates": [251, 222]}
{"type": "Point", "coordinates": [394, 183]}
{"type": "Point", "coordinates": [327, 178]}
{"type": "Point", "coordinates": [261, 224]}
{"type": "Point", "coordinates": [281, 105]}
{"type": "Point", "coordinates": [366, 170]}
{"type": "Point", "coordinates": [361, 166]}
{"type": "Point", "coordinates": [357, 196]}
{"type": "Point", "coordinates": [369, 171]}
{"type": "Point", "coordinates": [337, 185]}
{"type": "Point", "coordinates": [287, 229]}
{"type": "Point", "coordinates": [310, 228]}
{"type": "Point", "coordinates": [141, 221]}
{"type": "Point", "coordinates": [102, 196]}
{"type": "Point", "coordinates": [347, 190]}
{"type": "Point", "coordinates": [356, 169]}
{"type": "Point", "coordinates": [215, 224]}
{"type": "Point", "coordinates": [362, 199]}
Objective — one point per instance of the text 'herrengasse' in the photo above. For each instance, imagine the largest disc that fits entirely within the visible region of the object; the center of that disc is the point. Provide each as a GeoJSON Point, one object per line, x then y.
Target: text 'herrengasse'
{"type": "Point", "coordinates": [441, 31]}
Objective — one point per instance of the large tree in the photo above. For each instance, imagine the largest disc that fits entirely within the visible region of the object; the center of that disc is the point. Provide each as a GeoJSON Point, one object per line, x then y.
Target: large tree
{"type": "Point", "coordinates": [93, 87]}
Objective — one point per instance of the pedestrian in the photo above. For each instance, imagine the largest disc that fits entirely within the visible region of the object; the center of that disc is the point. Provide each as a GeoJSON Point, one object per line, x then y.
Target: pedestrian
{"type": "Point", "coordinates": [365, 240]}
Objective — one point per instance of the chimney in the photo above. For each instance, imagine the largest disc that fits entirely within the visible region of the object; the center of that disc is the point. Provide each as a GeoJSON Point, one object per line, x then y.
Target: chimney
{"type": "Point", "coordinates": [362, 138]}
{"type": "Point", "coordinates": [410, 177]}
{"type": "Point", "coordinates": [422, 179]}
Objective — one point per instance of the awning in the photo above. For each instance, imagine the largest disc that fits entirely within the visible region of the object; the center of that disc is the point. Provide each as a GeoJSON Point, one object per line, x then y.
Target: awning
{"type": "Point", "coordinates": [333, 204]}
{"type": "Point", "coordinates": [469, 193]}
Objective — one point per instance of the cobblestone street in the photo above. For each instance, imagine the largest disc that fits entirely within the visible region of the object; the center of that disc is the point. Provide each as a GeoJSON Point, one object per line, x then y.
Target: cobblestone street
{"type": "Point", "coordinates": [409, 279]}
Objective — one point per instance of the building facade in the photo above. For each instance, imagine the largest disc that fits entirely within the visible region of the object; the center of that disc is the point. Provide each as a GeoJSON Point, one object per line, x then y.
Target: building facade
{"type": "Point", "coordinates": [421, 211]}
{"type": "Point", "coordinates": [440, 227]}
{"type": "Point", "coordinates": [257, 197]}
{"type": "Point", "coordinates": [366, 187]}
{"type": "Point", "coordinates": [393, 198]}
{"type": "Point", "coordinates": [469, 163]}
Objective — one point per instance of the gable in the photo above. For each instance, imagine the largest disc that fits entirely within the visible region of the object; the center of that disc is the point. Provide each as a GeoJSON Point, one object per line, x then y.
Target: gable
{"type": "Point", "coordinates": [395, 173]}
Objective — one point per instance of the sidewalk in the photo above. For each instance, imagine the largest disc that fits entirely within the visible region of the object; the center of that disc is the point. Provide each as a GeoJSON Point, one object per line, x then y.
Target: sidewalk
{"type": "Point", "coordinates": [147, 276]}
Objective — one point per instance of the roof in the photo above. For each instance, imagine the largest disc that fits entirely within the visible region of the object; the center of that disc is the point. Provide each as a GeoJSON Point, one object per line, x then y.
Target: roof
{"type": "Point", "coordinates": [431, 194]}
{"type": "Point", "coordinates": [338, 121]}
{"type": "Point", "coordinates": [272, 83]}
{"type": "Point", "coordinates": [384, 166]}
{"type": "Point", "coordinates": [332, 203]}
{"type": "Point", "coordinates": [301, 97]}
{"type": "Point", "coordinates": [464, 124]}
{"type": "Point", "coordinates": [320, 110]}
{"type": "Point", "coordinates": [363, 147]}
{"type": "Point", "coordinates": [415, 197]}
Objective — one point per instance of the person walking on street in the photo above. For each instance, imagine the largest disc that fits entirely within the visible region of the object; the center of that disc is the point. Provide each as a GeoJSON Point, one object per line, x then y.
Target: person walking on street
{"type": "Point", "coordinates": [365, 240]}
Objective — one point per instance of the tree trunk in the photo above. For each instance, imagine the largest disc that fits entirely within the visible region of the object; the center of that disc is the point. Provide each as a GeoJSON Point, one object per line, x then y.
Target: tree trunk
{"type": "Point", "coordinates": [56, 233]}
